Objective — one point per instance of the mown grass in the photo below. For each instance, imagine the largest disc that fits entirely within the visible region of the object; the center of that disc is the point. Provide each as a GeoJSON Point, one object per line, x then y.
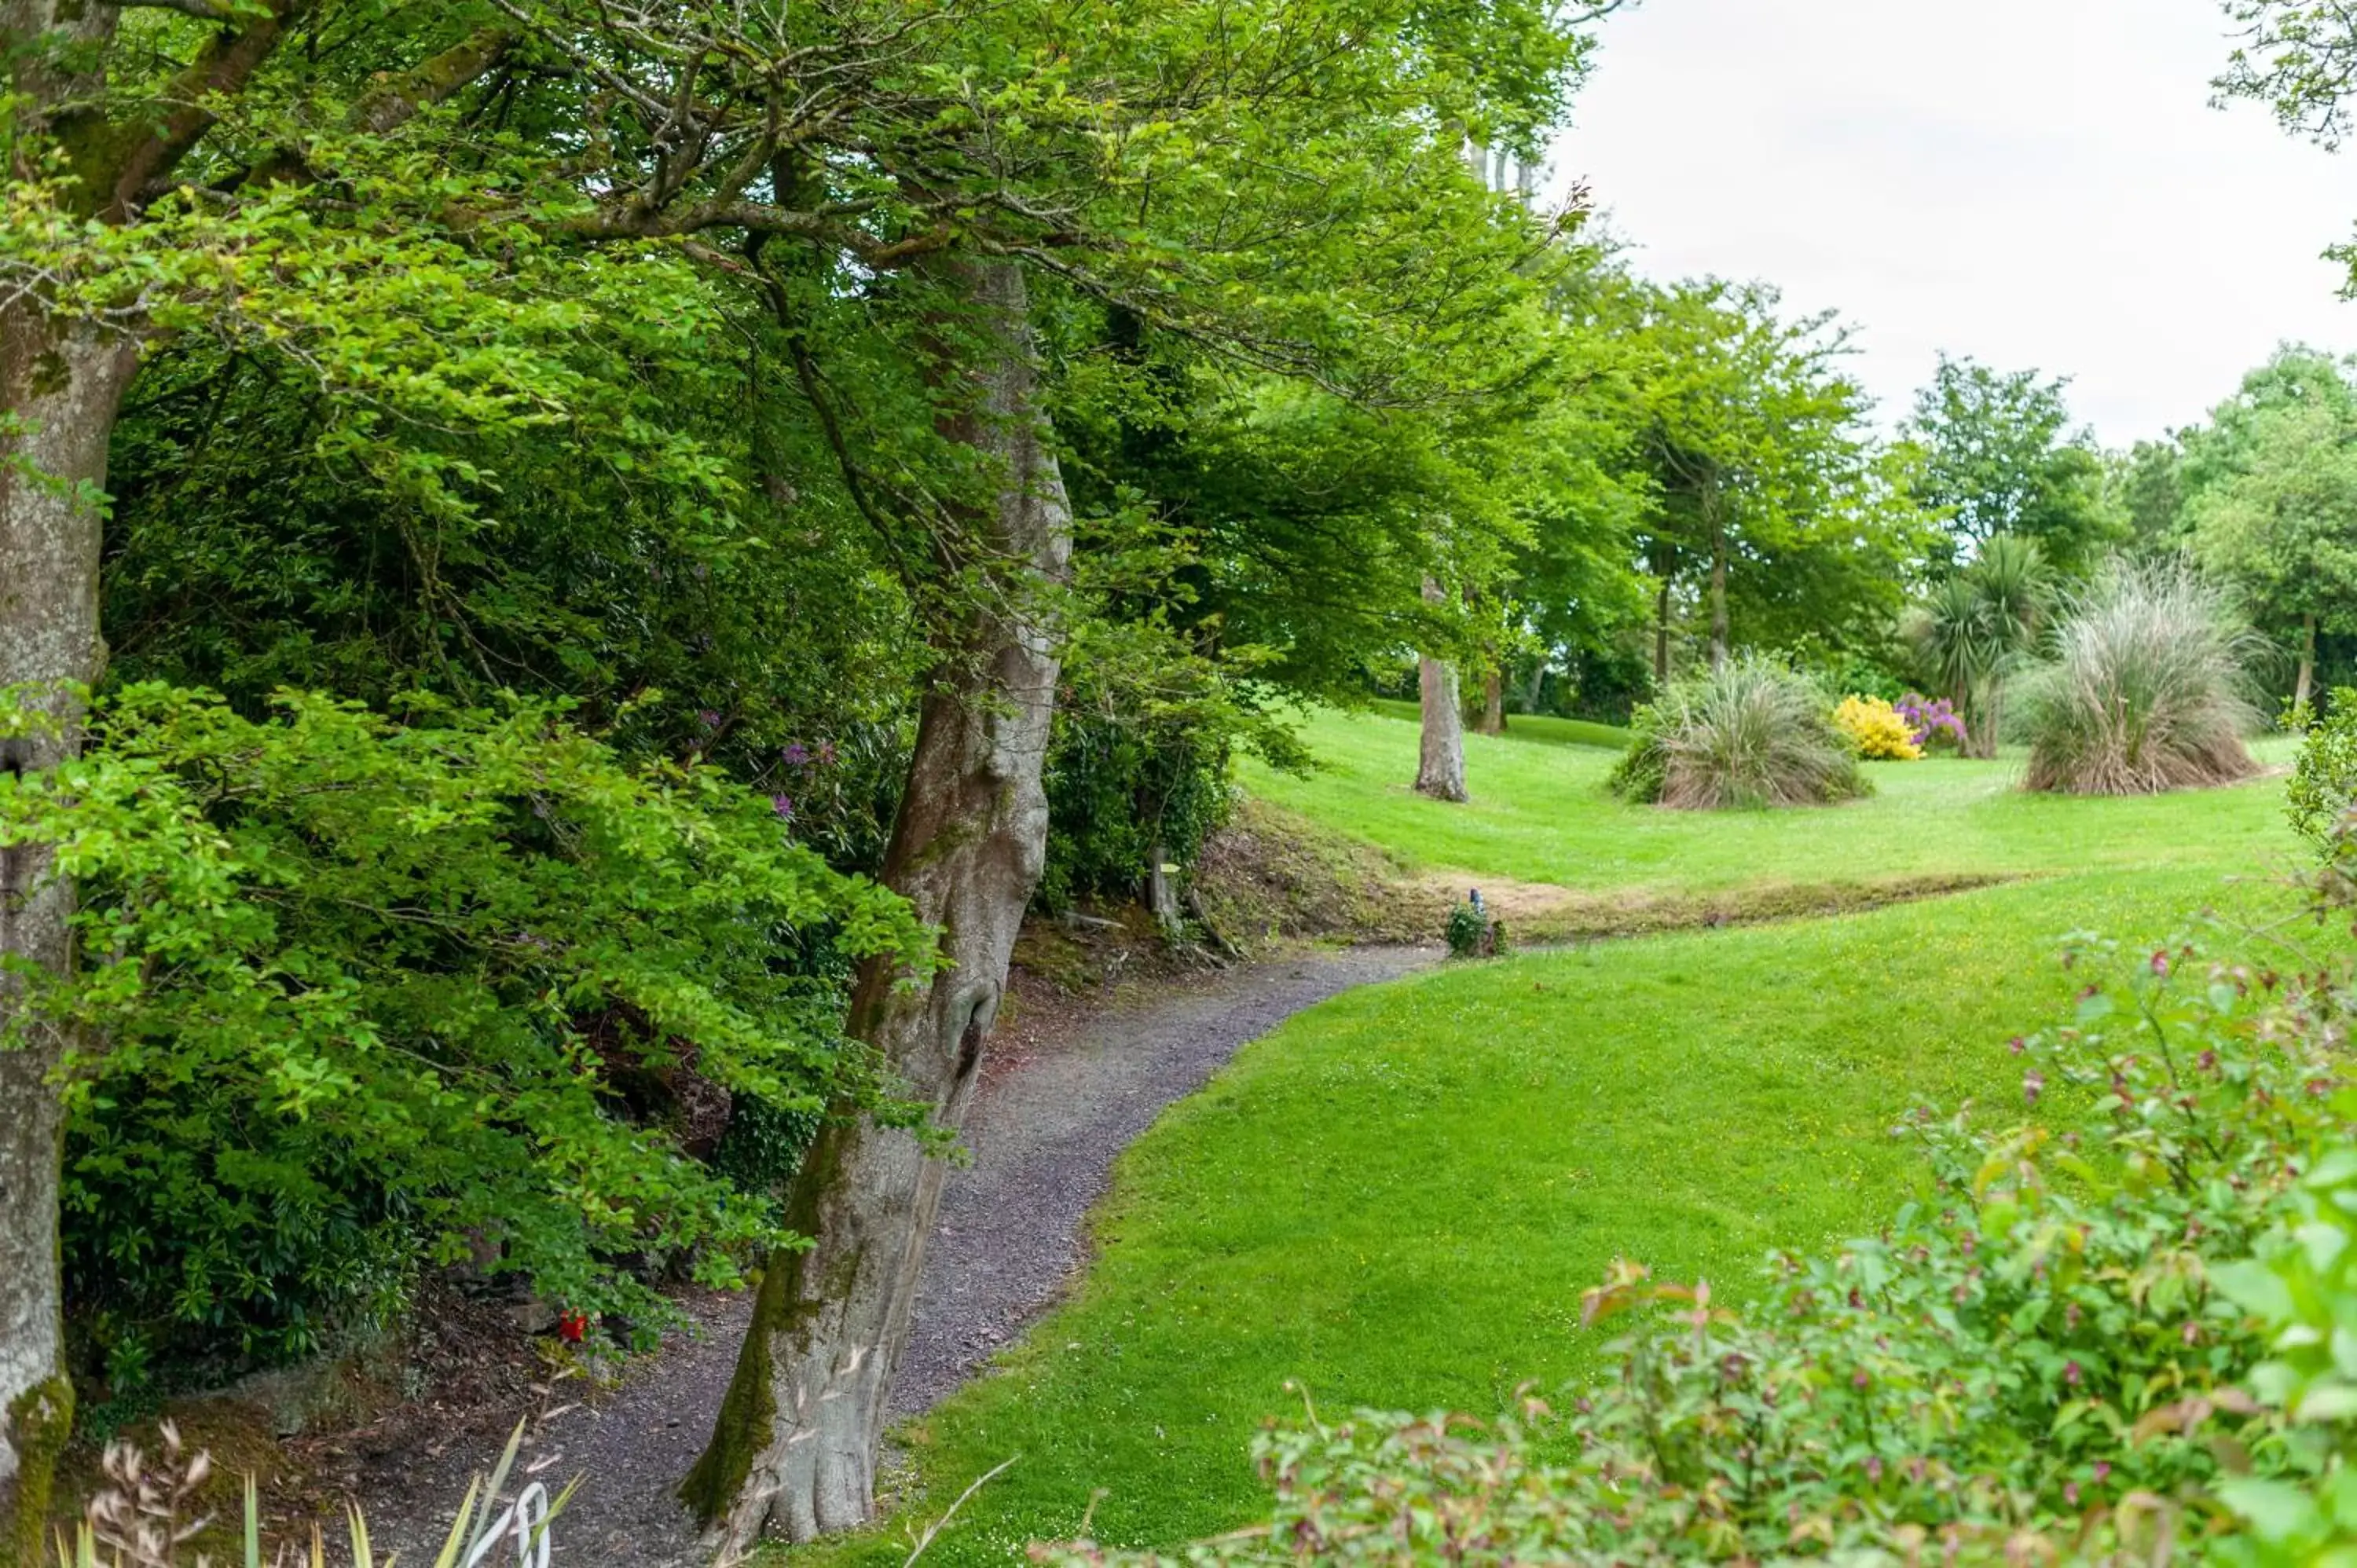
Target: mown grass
{"type": "Point", "coordinates": [1542, 729]}
{"type": "Point", "coordinates": [1396, 1199]}
{"type": "Point", "coordinates": [1541, 813]}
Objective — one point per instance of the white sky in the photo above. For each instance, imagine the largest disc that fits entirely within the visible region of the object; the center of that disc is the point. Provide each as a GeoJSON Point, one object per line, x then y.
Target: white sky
{"type": "Point", "coordinates": [2031, 182]}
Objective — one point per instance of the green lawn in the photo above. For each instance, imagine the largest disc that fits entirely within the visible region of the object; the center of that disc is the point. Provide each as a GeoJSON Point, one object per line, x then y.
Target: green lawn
{"type": "Point", "coordinates": [1396, 1199]}
{"type": "Point", "coordinates": [1540, 813]}
{"type": "Point", "coordinates": [1546, 729]}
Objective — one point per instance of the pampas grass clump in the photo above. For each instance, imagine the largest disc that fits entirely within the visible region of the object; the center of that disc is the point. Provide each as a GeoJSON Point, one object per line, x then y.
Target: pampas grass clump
{"type": "Point", "coordinates": [1753, 733]}
{"type": "Point", "coordinates": [2147, 690]}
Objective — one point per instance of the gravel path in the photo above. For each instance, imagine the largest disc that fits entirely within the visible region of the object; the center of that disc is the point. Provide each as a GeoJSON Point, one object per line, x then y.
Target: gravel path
{"type": "Point", "coordinates": [1055, 1109]}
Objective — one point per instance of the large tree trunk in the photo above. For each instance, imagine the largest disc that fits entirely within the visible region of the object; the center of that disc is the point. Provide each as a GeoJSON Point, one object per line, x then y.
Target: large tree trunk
{"type": "Point", "coordinates": [2306, 666]}
{"type": "Point", "coordinates": [64, 385]}
{"type": "Point", "coordinates": [1440, 759]}
{"type": "Point", "coordinates": [795, 1445]}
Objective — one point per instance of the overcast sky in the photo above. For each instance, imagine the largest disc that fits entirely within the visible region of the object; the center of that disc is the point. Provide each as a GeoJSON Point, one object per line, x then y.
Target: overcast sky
{"type": "Point", "coordinates": [2029, 182]}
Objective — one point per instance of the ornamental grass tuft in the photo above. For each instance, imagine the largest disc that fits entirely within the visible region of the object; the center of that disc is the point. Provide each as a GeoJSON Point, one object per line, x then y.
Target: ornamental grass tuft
{"type": "Point", "coordinates": [2147, 690]}
{"type": "Point", "coordinates": [1751, 732]}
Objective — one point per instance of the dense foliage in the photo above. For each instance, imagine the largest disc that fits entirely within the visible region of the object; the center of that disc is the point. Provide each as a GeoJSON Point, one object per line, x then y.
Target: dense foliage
{"type": "Point", "coordinates": [1998, 457]}
{"type": "Point", "coordinates": [372, 992]}
{"type": "Point", "coordinates": [2324, 780]}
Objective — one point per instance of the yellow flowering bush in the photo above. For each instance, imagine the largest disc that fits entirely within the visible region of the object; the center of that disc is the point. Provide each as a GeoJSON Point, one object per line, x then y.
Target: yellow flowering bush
{"type": "Point", "coordinates": [1874, 727]}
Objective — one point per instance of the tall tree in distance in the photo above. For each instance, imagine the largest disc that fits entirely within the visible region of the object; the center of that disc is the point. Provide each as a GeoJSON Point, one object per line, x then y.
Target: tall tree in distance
{"type": "Point", "coordinates": [1753, 439]}
{"type": "Point", "coordinates": [2274, 509]}
{"type": "Point", "coordinates": [1999, 458]}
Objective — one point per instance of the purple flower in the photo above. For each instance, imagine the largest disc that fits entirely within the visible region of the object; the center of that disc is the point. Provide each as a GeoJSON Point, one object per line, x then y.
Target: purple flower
{"type": "Point", "coordinates": [2033, 1084]}
{"type": "Point", "coordinates": [827, 754]}
{"type": "Point", "coordinates": [2160, 964]}
{"type": "Point", "coordinates": [711, 718]}
{"type": "Point", "coordinates": [783, 804]}
{"type": "Point", "coordinates": [796, 755]}
{"type": "Point", "coordinates": [2071, 1373]}
{"type": "Point", "coordinates": [1928, 718]}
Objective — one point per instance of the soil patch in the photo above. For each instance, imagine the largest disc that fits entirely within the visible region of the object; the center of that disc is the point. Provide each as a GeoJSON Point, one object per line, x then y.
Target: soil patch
{"type": "Point", "coordinates": [1539, 914]}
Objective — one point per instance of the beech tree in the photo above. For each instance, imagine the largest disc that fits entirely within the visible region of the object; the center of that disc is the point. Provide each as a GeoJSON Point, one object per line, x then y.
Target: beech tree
{"type": "Point", "coordinates": [1374, 268]}
{"type": "Point", "coordinates": [113, 110]}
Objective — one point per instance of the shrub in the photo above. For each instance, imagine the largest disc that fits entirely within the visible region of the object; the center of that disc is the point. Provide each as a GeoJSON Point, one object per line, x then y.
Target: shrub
{"type": "Point", "coordinates": [1874, 726]}
{"type": "Point", "coordinates": [2147, 691]}
{"type": "Point", "coordinates": [373, 996]}
{"type": "Point", "coordinates": [1933, 724]}
{"type": "Point", "coordinates": [1751, 732]}
{"type": "Point", "coordinates": [2324, 780]}
{"type": "Point", "coordinates": [1471, 932]}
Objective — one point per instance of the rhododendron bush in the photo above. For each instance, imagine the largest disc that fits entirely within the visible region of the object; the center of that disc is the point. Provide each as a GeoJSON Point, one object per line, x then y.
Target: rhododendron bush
{"type": "Point", "coordinates": [1932, 723]}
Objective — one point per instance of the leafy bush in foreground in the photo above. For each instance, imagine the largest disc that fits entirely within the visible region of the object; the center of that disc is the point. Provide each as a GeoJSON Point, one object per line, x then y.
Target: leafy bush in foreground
{"type": "Point", "coordinates": [362, 993]}
{"type": "Point", "coordinates": [2120, 1328]}
{"type": "Point", "coordinates": [1875, 728]}
{"type": "Point", "coordinates": [1751, 733]}
{"type": "Point", "coordinates": [2324, 780]}
{"type": "Point", "coordinates": [2147, 691]}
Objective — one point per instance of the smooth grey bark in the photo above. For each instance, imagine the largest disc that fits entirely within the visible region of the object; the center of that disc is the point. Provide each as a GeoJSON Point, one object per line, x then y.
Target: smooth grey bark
{"type": "Point", "coordinates": [64, 386]}
{"type": "Point", "coordinates": [1440, 756]}
{"type": "Point", "coordinates": [793, 1449]}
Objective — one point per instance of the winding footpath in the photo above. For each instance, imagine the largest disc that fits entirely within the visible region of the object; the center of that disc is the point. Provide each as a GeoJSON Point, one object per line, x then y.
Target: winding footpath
{"type": "Point", "coordinates": [1045, 1129]}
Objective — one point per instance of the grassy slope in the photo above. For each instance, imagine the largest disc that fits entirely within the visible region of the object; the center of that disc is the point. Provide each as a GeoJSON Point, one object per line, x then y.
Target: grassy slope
{"type": "Point", "coordinates": [1545, 729]}
{"type": "Point", "coordinates": [1397, 1198]}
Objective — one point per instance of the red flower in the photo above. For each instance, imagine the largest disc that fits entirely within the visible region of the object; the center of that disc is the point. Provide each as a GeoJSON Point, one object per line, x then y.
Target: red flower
{"type": "Point", "coordinates": [572, 1325]}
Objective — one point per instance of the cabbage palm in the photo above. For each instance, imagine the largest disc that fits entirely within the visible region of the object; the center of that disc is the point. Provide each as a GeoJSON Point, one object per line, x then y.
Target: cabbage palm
{"type": "Point", "coordinates": [1976, 628]}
